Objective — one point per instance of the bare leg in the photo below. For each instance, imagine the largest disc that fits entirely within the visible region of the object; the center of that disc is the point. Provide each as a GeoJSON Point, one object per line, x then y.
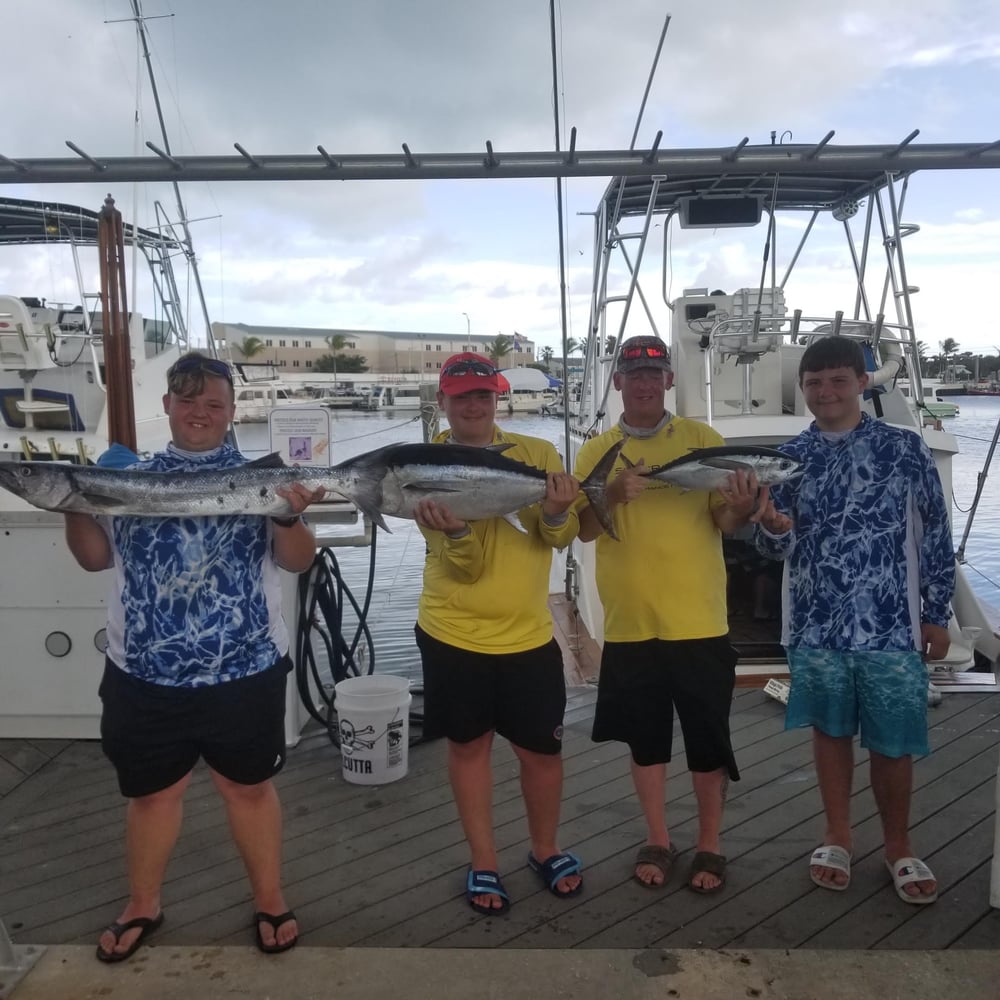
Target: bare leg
{"type": "Point", "coordinates": [152, 824]}
{"type": "Point", "coordinates": [834, 757]}
{"type": "Point", "coordinates": [471, 774]}
{"type": "Point", "coordinates": [892, 785]}
{"type": "Point", "coordinates": [710, 790]}
{"type": "Point", "coordinates": [541, 786]}
{"type": "Point", "coordinates": [651, 788]}
{"type": "Point", "coordinates": [254, 813]}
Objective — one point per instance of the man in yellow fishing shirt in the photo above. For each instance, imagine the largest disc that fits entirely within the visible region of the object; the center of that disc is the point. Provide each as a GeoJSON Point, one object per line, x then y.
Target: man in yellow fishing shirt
{"type": "Point", "coordinates": [663, 588]}
{"type": "Point", "coordinates": [490, 662]}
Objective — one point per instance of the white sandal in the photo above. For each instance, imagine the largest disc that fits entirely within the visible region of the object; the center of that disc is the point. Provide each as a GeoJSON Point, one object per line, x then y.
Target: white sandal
{"type": "Point", "coordinates": [831, 856]}
{"type": "Point", "coordinates": [905, 872]}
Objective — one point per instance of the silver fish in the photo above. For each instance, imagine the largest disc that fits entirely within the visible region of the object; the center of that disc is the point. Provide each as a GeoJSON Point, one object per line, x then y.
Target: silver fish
{"type": "Point", "coordinates": [474, 483]}
{"type": "Point", "coordinates": [710, 468]}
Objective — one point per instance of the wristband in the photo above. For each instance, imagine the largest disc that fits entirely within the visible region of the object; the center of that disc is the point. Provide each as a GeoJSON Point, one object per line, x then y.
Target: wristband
{"type": "Point", "coordinates": [286, 522]}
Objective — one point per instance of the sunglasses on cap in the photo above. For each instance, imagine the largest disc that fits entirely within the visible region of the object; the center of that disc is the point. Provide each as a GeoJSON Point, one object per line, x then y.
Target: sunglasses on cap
{"type": "Point", "coordinates": [206, 366]}
{"type": "Point", "coordinates": [644, 351]}
{"type": "Point", "coordinates": [470, 368]}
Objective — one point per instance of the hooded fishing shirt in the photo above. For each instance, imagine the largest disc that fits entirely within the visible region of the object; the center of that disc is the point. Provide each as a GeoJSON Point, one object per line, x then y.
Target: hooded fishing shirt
{"type": "Point", "coordinates": [665, 578]}
{"type": "Point", "coordinates": [488, 591]}
{"type": "Point", "coordinates": [195, 600]}
{"type": "Point", "coordinates": [870, 555]}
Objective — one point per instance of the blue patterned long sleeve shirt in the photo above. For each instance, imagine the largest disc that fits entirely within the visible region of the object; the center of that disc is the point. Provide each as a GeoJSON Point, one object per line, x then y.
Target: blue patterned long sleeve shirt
{"type": "Point", "coordinates": [196, 600]}
{"type": "Point", "coordinates": [870, 554]}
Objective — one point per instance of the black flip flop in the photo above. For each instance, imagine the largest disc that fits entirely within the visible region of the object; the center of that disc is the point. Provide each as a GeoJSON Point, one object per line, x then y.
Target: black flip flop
{"type": "Point", "coordinates": [147, 925]}
{"type": "Point", "coordinates": [275, 920]}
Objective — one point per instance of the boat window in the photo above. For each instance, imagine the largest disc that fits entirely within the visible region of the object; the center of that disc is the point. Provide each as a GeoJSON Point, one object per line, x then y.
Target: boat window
{"type": "Point", "coordinates": [51, 411]}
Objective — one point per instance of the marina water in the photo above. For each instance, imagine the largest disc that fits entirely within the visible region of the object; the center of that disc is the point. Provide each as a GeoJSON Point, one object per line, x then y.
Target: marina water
{"type": "Point", "coordinates": [400, 555]}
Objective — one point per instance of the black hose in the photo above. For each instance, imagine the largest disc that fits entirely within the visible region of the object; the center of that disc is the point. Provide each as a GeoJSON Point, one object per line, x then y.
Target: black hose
{"type": "Point", "coordinates": [322, 596]}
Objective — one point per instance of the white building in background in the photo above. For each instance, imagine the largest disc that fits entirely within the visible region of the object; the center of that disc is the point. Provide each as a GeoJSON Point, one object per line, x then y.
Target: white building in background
{"type": "Point", "coordinates": [295, 350]}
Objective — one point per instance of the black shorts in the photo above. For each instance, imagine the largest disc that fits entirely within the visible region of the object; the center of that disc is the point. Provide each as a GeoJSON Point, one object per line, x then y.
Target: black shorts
{"type": "Point", "coordinates": [522, 696]}
{"type": "Point", "coordinates": [154, 734]}
{"type": "Point", "coordinates": [641, 684]}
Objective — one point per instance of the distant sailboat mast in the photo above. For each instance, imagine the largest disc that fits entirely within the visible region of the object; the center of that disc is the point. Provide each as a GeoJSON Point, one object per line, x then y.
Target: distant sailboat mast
{"type": "Point", "coordinates": [140, 22]}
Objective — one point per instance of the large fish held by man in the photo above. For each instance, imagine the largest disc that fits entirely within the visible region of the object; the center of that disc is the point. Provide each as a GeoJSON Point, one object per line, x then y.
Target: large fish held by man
{"type": "Point", "coordinates": [474, 483]}
{"type": "Point", "coordinates": [710, 468]}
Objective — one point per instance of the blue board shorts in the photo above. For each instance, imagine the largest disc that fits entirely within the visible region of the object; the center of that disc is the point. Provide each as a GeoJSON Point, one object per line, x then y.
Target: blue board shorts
{"type": "Point", "coordinates": [881, 694]}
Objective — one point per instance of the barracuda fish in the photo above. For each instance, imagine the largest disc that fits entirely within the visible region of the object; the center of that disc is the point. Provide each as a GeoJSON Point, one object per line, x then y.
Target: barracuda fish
{"type": "Point", "coordinates": [710, 468]}
{"type": "Point", "coordinates": [474, 483]}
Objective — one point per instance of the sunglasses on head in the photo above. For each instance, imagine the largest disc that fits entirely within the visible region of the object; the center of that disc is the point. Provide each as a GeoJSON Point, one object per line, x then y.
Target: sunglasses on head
{"type": "Point", "coordinates": [470, 368]}
{"type": "Point", "coordinates": [644, 351]}
{"type": "Point", "coordinates": [207, 366]}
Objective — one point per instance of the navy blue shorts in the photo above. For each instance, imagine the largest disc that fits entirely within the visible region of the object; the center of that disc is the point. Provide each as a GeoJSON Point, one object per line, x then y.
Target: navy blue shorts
{"type": "Point", "coordinates": [154, 734]}
{"type": "Point", "coordinates": [522, 696]}
{"type": "Point", "coordinates": [641, 684]}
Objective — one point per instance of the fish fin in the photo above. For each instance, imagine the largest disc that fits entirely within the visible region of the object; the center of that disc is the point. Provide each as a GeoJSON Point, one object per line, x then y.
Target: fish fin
{"type": "Point", "coordinates": [105, 503]}
{"type": "Point", "coordinates": [595, 488]}
{"type": "Point", "coordinates": [515, 522]}
{"type": "Point", "coordinates": [428, 486]}
{"type": "Point", "coordinates": [732, 464]}
{"type": "Point", "coordinates": [629, 464]}
{"type": "Point", "coordinates": [373, 514]}
{"type": "Point", "coordinates": [272, 461]}
{"type": "Point", "coordinates": [501, 447]}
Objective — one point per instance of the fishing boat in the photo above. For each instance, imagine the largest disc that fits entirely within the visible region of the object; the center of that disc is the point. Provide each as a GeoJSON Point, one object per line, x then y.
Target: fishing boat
{"type": "Point", "coordinates": [934, 402]}
{"type": "Point", "coordinates": [735, 354]}
{"type": "Point", "coordinates": [54, 402]}
{"type": "Point", "coordinates": [530, 391]}
{"type": "Point", "coordinates": [53, 370]}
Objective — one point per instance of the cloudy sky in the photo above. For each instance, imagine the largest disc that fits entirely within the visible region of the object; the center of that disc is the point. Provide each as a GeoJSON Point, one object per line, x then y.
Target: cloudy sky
{"type": "Point", "coordinates": [446, 76]}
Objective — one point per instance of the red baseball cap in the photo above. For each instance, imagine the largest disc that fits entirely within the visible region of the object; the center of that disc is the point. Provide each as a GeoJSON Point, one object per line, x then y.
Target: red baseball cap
{"type": "Point", "coordinates": [468, 372]}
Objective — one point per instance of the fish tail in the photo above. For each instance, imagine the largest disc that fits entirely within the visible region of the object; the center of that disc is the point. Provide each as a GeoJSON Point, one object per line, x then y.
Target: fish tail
{"type": "Point", "coordinates": [595, 488]}
{"type": "Point", "coordinates": [364, 492]}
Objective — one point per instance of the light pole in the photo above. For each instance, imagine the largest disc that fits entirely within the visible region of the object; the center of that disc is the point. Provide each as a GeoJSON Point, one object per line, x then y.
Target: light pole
{"type": "Point", "coordinates": [468, 325]}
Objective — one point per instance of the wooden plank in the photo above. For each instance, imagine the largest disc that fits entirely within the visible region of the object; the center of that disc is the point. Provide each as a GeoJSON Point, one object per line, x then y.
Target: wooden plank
{"type": "Point", "coordinates": [384, 865]}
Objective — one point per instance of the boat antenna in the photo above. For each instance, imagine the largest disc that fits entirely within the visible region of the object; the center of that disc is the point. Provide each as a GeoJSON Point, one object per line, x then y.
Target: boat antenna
{"type": "Point", "coordinates": [563, 311]}
{"type": "Point", "coordinates": [649, 82]}
{"type": "Point", "coordinates": [140, 19]}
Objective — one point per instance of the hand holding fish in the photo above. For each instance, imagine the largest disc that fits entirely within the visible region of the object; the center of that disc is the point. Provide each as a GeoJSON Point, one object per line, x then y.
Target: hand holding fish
{"type": "Point", "coordinates": [437, 517]}
{"type": "Point", "coordinates": [746, 500]}
{"type": "Point", "coordinates": [774, 521]}
{"type": "Point", "coordinates": [629, 483]}
{"type": "Point", "coordinates": [300, 496]}
{"type": "Point", "coordinates": [560, 492]}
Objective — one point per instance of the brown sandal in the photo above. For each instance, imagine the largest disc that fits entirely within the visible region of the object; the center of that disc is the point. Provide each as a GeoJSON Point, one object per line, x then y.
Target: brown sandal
{"type": "Point", "coordinates": [659, 857]}
{"type": "Point", "coordinates": [713, 864]}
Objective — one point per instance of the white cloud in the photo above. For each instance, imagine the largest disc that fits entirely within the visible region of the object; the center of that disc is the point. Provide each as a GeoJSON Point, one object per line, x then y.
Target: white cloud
{"type": "Point", "coordinates": [367, 75]}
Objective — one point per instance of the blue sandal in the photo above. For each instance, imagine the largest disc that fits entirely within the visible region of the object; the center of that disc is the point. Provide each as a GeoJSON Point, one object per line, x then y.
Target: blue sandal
{"type": "Point", "coordinates": [486, 883]}
{"type": "Point", "coordinates": [557, 867]}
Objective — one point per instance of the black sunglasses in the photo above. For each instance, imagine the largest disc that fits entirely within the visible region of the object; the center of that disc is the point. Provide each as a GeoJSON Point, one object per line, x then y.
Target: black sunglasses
{"type": "Point", "coordinates": [208, 366]}
{"type": "Point", "coordinates": [644, 351]}
{"type": "Point", "coordinates": [469, 368]}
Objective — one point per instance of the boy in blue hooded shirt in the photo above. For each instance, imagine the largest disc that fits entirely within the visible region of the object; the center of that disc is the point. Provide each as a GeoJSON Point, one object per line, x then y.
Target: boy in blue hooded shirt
{"type": "Point", "coordinates": [870, 574]}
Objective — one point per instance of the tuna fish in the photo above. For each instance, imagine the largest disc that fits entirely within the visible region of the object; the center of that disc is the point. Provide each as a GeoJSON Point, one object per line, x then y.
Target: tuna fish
{"type": "Point", "coordinates": [474, 483]}
{"type": "Point", "coordinates": [710, 468]}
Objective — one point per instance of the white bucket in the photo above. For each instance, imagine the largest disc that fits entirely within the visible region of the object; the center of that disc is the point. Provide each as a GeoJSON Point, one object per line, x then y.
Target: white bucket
{"type": "Point", "coordinates": [373, 714]}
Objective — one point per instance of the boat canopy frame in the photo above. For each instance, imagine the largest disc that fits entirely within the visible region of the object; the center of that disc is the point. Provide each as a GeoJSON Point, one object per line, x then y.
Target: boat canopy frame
{"type": "Point", "coordinates": [824, 169]}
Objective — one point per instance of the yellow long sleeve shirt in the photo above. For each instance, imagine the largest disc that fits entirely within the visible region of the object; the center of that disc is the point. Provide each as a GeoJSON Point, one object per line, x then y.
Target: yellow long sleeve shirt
{"type": "Point", "coordinates": [665, 578]}
{"type": "Point", "coordinates": [488, 591]}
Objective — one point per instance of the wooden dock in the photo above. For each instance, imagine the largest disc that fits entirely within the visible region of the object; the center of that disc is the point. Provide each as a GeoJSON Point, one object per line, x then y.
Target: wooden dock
{"type": "Point", "coordinates": [384, 865]}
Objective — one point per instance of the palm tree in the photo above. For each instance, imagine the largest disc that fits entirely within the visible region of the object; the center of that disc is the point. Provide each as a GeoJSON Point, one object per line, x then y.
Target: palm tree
{"type": "Point", "coordinates": [949, 346]}
{"type": "Point", "coordinates": [498, 348]}
{"type": "Point", "coordinates": [336, 342]}
{"type": "Point", "coordinates": [547, 354]}
{"type": "Point", "coordinates": [251, 347]}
